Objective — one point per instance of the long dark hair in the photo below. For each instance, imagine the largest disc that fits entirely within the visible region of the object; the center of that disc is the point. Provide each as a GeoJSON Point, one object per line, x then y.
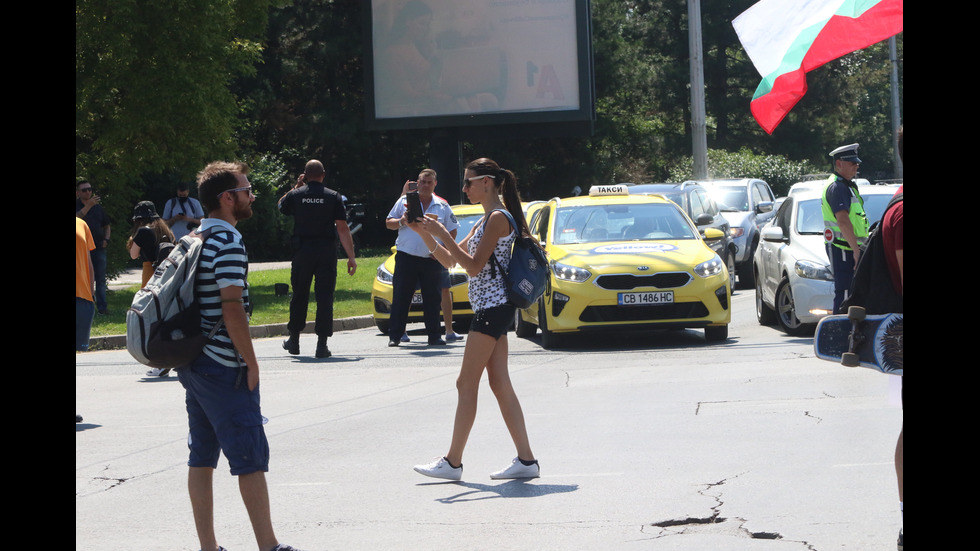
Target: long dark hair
{"type": "Point", "coordinates": [506, 182]}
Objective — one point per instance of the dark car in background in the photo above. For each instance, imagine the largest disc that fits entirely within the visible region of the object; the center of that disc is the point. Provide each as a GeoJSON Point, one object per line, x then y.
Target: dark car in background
{"type": "Point", "coordinates": [694, 199]}
{"type": "Point", "coordinates": [747, 203]}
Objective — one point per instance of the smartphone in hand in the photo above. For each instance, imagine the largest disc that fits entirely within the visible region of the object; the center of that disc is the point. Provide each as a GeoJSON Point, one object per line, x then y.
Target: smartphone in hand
{"type": "Point", "coordinates": [414, 206]}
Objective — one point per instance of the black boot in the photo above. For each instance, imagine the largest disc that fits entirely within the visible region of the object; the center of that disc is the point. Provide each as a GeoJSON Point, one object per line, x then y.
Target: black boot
{"type": "Point", "coordinates": [291, 344]}
{"type": "Point", "coordinates": [321, 348]}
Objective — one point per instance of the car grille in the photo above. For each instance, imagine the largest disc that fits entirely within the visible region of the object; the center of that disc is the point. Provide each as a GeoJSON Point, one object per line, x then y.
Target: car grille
{"type": "Point", "coordinates": [625, 282]}
{"type": "Point", "coordinates": [456, 279]}
{"type": "Point", "coordinates": [681, 310]}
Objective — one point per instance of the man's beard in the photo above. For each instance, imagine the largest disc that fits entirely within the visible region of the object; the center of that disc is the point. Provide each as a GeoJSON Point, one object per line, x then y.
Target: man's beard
{"type": "Point", "coordinates": [243, 210]}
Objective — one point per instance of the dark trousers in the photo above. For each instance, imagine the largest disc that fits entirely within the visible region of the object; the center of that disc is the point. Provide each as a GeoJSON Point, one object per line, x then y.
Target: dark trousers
{"type": "Point", "coordinates": [314, 261]}
{"type": "Point", "coordinates": [842, 262]}
{"type": "Point", "coordinates": [413, 272]}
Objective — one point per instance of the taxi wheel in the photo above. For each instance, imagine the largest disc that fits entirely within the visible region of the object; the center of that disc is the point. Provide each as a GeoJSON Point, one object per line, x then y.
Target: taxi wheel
{"type": "Point", "coordinates": [716, 333]}
{"type": "Point", "coordinates": [382, 325]}
{"type": "Point", "coordinates": [523, 329]}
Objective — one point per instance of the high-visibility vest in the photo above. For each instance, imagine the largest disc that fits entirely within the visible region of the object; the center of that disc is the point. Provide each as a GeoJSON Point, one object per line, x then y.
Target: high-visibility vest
{"type": "Point", "coordinates": [859, 219]}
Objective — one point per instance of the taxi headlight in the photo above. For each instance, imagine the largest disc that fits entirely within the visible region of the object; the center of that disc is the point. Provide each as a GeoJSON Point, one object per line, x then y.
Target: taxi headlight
{"type": "Point", "coordinates": [575, 274]}
{"type": "Point", "coordinates": [710, 268]}
{"type": "Point", "coordinates": [813, 270]}
{"type": "Point", "coordinates": [384, 276]}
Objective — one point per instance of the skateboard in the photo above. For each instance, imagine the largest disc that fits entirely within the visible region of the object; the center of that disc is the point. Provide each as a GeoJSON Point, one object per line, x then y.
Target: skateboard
{"type": "Point", "coordinates": [859, 339]}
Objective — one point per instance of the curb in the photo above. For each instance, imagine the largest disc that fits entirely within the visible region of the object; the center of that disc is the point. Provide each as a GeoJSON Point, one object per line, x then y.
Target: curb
{"type": "Point", "coordinates": [115, 342]}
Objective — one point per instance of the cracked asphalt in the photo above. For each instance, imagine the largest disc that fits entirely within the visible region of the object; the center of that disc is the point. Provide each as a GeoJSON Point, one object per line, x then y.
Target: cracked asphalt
{"type": "Point", "coordinates": [655, 442]}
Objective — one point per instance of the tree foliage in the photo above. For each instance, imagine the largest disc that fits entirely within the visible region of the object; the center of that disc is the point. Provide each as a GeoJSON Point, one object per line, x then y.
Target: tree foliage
{"type": "Point", "coordinates": [162, 88]}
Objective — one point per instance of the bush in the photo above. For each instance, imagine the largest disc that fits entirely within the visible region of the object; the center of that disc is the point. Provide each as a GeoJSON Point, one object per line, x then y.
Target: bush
{"type": "Point", "coordinates": [779, 172]}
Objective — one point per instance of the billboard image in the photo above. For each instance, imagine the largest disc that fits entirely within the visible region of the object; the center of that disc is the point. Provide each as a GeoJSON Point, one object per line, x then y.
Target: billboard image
{"type": "Point", "coordinates": [471, 62]}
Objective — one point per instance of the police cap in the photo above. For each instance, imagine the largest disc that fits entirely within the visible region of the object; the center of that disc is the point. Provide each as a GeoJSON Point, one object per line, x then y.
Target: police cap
{"type": "Point", "coordinates": [846, 153]}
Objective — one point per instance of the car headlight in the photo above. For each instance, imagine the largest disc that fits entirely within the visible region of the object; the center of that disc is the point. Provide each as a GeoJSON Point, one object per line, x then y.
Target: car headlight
{"type": "Point", "coordinates": [710, 268]}
{"type": "Point", "coordinates": [384, 276]}
{"type": "Point", "coordinates": [736, 232]}
{"type": "Point", "coordinates": [575, 274]}
{"type": "Point", "coordinates": [813, 270]}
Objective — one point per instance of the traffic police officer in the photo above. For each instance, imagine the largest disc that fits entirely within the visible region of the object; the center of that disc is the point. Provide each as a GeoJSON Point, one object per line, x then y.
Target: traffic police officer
{"type": "Point", "coordinates": [845, 223]}
{"type": "Point", "coordinates": [320, 217]}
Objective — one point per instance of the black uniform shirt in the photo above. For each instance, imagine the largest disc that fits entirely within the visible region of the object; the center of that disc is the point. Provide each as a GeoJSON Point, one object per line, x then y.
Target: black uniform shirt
{"type": "Point", "coordinates": [315, 209]}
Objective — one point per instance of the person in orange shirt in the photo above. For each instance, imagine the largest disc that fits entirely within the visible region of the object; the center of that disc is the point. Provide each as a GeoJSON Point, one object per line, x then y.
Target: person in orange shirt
{"type": "Point", "coordinates": [84, 280]}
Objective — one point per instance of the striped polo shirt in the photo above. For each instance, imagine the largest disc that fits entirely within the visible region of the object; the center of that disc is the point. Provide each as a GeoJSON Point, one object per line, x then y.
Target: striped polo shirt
{"type": "Point", "coordinates": [223, 263]}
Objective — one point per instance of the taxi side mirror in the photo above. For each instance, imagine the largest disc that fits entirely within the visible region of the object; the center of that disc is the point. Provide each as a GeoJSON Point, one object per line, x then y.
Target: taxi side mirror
{"type": "Point", "coordinates": [712, 234]}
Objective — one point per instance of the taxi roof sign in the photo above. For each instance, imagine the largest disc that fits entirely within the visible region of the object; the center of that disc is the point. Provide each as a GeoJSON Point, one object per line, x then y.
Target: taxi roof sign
{"type": "Point", "coordinates": [616, 189]}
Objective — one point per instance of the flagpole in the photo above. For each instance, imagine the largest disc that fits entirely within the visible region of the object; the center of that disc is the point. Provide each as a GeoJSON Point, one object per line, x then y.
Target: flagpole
{"type": "Point", "coordinates": [896, 112]}
{"type": "Point", "coordinates": [698, 127]}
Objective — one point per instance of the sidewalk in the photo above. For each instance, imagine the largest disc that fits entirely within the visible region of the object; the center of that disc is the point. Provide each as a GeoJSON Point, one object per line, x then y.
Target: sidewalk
{"type": "Point", "coordinates": [134, 276]}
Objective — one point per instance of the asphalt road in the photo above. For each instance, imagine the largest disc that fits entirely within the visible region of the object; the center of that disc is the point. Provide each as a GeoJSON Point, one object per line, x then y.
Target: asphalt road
{"type": "Point", "coordinates": [659, 442]}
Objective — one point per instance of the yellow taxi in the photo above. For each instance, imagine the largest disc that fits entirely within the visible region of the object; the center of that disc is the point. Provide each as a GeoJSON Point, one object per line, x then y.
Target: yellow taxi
{"type": "Point", "coordinates": [625, 262]}
{"type": "Point", "coordinates": [381, 290]}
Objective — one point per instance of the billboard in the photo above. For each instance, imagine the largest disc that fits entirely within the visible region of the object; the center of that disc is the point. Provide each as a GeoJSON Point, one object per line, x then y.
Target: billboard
{"type": "Point", "coordinates": [459, 63]}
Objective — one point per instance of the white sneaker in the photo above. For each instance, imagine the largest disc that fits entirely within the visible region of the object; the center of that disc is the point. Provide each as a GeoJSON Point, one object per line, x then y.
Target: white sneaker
{"type": "Point", "coordinates": [440, 469]}
{"type": "Point", "coordinates": [518, 470]}
{"type": "Point", "coordinates": [158, 372]}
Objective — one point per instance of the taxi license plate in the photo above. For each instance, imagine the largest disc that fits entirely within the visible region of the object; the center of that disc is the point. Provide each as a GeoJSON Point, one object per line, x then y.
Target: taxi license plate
{"type": "Point", "coordinates": [646, 299]}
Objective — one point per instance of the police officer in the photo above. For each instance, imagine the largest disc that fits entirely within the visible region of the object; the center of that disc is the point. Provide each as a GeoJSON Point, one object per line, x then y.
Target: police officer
{"type": "Point", "coordinates": [845, 223]}
{"type": "Point", "coordinates": [320, 217]}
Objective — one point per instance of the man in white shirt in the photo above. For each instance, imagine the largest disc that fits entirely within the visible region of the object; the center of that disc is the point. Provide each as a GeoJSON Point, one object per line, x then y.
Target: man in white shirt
{"type": "Point", "coordinates": [414, 265]}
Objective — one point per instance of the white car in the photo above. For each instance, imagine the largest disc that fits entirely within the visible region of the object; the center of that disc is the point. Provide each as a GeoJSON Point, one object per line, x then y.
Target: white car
{"type": "Point", "coordinates": [794, 284]}
{"type": "Point", "coordinates": [817, 185]}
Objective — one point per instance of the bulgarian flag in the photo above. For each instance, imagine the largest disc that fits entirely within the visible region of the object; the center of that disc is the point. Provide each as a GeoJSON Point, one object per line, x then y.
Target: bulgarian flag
{"type": "Point", "coordinates": [785, 39]}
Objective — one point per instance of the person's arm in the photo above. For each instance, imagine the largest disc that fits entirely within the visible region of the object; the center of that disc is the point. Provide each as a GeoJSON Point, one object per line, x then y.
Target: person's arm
{"type": "Point", "coordinates": [396, 219]}
{"type": "Point", "coordinates": [236, 323]}
{"type": "Point", "coordinates": [847, 228]}
{"type": "Point", "coordinates": [438, 252]}
{"type": "Point", "coordinates": [498, 226]}
{"type": "Point", "coordinates": [134, 250]}
{"type": "Point", "coordinates": [107, 231]}
{"type": "Point", "coordinates": [900, 255]}
{"type": "Point", "coordinates": [347, 242]}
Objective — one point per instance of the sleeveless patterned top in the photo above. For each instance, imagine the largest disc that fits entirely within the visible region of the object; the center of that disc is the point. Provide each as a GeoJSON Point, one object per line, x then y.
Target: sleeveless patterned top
{"type": "Point", "coordinates": [487, 291]}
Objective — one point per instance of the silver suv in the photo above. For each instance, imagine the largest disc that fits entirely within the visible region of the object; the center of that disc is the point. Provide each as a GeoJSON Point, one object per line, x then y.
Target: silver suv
{"type": "Point", "coordinates": [747, 204]}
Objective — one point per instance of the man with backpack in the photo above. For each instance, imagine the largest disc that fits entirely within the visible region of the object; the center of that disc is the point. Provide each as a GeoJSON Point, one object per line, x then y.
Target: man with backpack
{"type": "Point", "coordinates": [222, 384]}
{"type": "Point", "coordinates": [182, 213]}
{"type": "Point", "coordinates": [893, 239]}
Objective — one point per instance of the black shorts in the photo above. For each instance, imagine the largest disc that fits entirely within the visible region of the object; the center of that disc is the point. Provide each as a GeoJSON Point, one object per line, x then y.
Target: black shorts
{"type": "Point", "coordinates": [494, 321]}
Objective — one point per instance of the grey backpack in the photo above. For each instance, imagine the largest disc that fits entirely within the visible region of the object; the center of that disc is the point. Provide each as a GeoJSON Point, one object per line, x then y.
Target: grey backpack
{"type": "Point", "coordinates": [163, 325]}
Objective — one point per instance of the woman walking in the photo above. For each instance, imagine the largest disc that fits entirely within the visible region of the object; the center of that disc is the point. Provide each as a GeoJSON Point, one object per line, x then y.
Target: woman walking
{"type": "Point", "coordinates": [486, 345]}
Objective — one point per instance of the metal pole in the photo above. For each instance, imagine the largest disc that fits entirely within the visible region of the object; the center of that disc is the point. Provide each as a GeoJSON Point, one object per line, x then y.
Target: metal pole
{"type": "Point", "coordinates": [896, 112]}
{"type": "Point", "coordinates": [698, 127]}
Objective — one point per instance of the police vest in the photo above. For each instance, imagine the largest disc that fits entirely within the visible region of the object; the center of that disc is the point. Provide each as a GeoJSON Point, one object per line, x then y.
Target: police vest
{"type": "Point", "coordinates": [859, 220]}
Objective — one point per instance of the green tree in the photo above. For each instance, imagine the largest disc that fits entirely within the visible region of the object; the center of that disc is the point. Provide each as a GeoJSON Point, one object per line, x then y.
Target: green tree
{"type": "Point", "coordinates": [152, 89]}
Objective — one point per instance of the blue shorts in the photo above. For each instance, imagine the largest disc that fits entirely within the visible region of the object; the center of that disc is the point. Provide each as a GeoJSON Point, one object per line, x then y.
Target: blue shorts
{"type": "Point", "coordinates": [444, 281]}
{"type": "Point", "coordinates": [223, 416]}
{"type": "Point", "coordinates": [494, 321]}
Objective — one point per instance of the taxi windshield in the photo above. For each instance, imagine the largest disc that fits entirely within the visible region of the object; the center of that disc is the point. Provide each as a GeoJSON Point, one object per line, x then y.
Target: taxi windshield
{"type": "Point", "coordinates": [466, 222]}
{"type": "Point", "coordinates": [633, 222]}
